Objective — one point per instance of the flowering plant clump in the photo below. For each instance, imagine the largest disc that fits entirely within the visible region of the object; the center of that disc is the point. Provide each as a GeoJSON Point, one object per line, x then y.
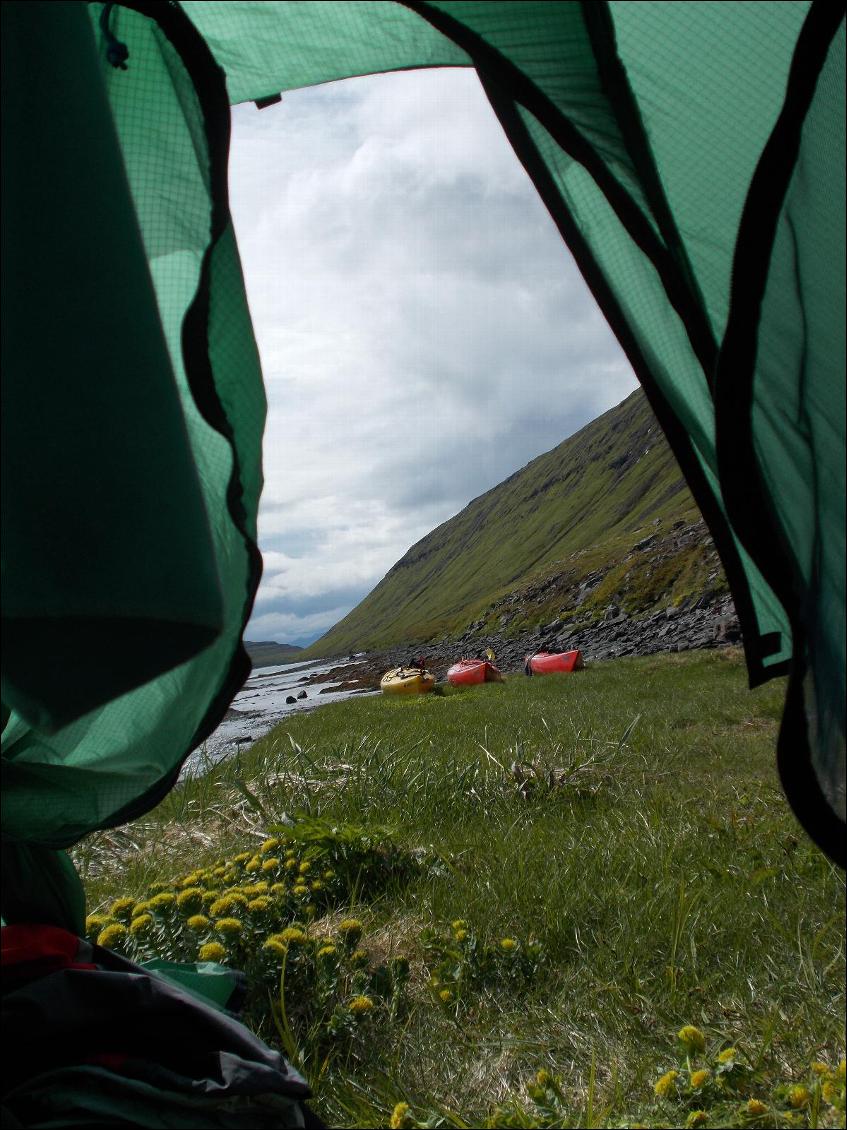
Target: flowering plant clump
{"type": "Point", "coordinates": [122, 909]}
{"type": "Point", "coordinates": [361, 1005]}
{"type": "Point", "coordinates": [461, 964]}
{"type": "Point", "coordinates": [112, 936]}
{"type": "Point", "coordinates": [667, 1085]}
{"type": "Point", "coordinates": [141, 923]}
{"type": "Point", "coordinates": [212, 951]}
{"type": "Point", "coordinates": [190, 901]}
{"type": "Point", "coordinates": [696, 1118]}
{"type": "Point", "coordinates": [692, 1039]}
{"type": "Point", "coordinates": [402, 1118]}
{"type": "Point", "coordinates": [738, 1094]}
{"type": "Point", "coordinates": [229, 927]}
{"type": "Point", "coordinates": [324, 865]}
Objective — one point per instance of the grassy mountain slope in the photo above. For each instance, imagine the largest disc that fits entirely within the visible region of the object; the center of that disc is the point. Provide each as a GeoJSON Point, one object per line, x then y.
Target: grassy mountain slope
{"type": "Point", "coordinates": [577, 506]}
{"type": "Point", "coordinates": [269, 654]}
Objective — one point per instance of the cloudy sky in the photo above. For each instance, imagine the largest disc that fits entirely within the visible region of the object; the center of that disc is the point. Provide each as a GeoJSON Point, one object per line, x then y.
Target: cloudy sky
{"type": "Point", "coordinates": [423, 330]}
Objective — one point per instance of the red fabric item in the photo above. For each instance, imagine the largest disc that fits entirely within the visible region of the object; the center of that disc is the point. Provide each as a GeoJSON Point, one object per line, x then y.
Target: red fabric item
{"type": "Point", "coordinates": [29, 950]}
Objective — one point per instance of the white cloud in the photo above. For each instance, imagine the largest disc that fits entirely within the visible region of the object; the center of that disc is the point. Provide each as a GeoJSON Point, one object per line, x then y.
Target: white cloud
{"type": "Point", "coordinates": [423, 330]}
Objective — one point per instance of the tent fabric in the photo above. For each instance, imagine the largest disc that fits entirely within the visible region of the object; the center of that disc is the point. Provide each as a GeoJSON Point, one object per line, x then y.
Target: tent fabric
{"type": "Point", "coordinates": [100, 1041]}
{"type": "Point", "coordinates": [691, 156]}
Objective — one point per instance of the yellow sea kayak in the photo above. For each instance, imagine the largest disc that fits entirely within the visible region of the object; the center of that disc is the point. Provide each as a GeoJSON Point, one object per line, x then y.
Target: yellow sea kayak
{"type": "Point", "coordinates": [407, 680]}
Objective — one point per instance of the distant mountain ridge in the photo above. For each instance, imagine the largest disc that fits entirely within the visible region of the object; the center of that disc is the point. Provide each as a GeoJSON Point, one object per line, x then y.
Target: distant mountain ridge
{"type": "Point", "coordinates": [269, 654]}
{"type": "Point", "coordinates": [524, 550]}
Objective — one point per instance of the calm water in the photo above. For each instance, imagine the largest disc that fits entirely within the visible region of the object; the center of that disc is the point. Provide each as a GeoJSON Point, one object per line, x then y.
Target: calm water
{"type": "Point", "coordinates": [260, 705]}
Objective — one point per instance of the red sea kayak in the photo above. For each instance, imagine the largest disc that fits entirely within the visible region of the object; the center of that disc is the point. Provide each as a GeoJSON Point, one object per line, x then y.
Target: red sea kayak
{"type": "Point", "coordinates": [468, 672]}
{"type": "Point", "coordinates": [559, 662]}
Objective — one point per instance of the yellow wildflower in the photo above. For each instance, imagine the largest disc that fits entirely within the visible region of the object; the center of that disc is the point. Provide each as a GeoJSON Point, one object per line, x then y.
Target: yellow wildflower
{"type": "Point", "coordinates": [756, 1107]}
{"type": "Point", "coordinates": [122, 908]}
{"type": "Point", "coordinates": [225, 906]}
{"type": "Point", "coordinates": [327, 951]}
{"type": "Point", "coordinates": [693, 1038]}
{"type": "Point", "coordinates": [112, 936]}
{"type": "Point", "coordinates": [242, 857]}
{"type": "Point", "coordinates": [698, 1078]}
{"type": "Point", "coordinates": [727, 1055]}
{"type": "Point", "coordinates": [219, 872]}
{"type": "Point", "coordinates": [228, 926]}
{"type": "Point", "coordinates": [270, 864]}
{"type": "Point", "coordinates": [211, 896]}
{"type": "Point", "coordinates": [840, 1071]}
{"type": "Point", "coordinates": [267, 846]}
{"type": "Point", "coordinates": [304, 867]}
{"type": "Point", "coordinates": [666, 1084]}
{"type": "Point", "coordinates": [259, 905]}
{"type": "Point", "coordinates": [543, 1078]}
{"type": "Point", "coordinates": [445, 996]}
{"type": "Point", "coordinates": [141, 908]}
{"type": "Point", "coordinates": [358, 958]}
{"type": "Point", "coordinates": [198, 922]}
{"type": "Point", "coordinates": [290, 864]}
{"type": "Point", "coordinates": [300, 889]}
{"type": "Point", "coordinates": [160, 901]}
{"type": "Point", "coordinates": [212, 951]}
{"type": "Point", "coordinates": [360, 1006]}
{"type": "Point", "coordinates": [278, 889]}
{"type": "Point", "coordinates": [253, 864]}
{"type": "Point", "coordinates": [190, 901]}
{"type": "Point", "coordinates": [831, 1092]}
{"type": "Point", "coordinates": [190, 880]}
{"type": "Point", "coordinates": [461, 935]}
{"type": "Point", "coordinates": [275, 947]}
{"type": "Point", "coordinates": [820, 1068]}
{"type": "Point", "coordinates": [328, 875]}
{"type": "Point", "coordinates": [508, 944]}
{"type": "Point", "coordinates": [459, 924]}
{"type": "Point", "coordinates": [317, 885]}
{"type": "Point", "coordinates": [350, 930]}
{"type": "Point", "coordinates": [311, 911]}
{"type": "Point", "coordinates": [799, 1097]}
{"type": "Point", "coordinates": [260, 888]}
{"type": "Point", "coordinates": [94, 923]}
{"type": "Point", "coordinates": [291, 936]}
{"type": "Point", "coordinates": [400, 1117]}
{"type": "Point", "coordinates": [159, 886]}
{"type": "Point", "coordinates": [290, 853]}
{"type": "Point", "coordinates": [141, 923]}
{"type": "Point", "coordinates": [696, 1118]}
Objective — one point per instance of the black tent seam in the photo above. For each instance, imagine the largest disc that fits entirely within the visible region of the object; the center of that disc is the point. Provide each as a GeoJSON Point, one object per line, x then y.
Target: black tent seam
{"type": "Point", "coordinates": [797, 771]}
{"type": "Point", "coordinates": [522, 90]}
{"type": "Point", "coordinates": [209, 82]}
{"type": "Point", "coordinates": [677, 437]}
{"type": "Point", "coordinates": [615, 85]}
{"type": "Point", "coordinates": [749, 505]}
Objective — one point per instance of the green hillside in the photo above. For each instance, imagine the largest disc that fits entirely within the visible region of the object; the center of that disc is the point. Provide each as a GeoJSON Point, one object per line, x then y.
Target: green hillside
{"type": "Point", "coordinates": [575, 509]}
{"type": "Point", "coordinates": [268, 654]}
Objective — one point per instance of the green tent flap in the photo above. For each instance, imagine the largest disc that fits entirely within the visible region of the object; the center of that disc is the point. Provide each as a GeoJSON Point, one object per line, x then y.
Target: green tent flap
{"type": "Point", "coordinates": [692, 157]}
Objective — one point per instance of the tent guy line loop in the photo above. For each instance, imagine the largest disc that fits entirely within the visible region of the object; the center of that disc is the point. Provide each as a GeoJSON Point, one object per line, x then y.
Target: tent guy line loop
{"type": "Point", "coordinates": [116, 52]}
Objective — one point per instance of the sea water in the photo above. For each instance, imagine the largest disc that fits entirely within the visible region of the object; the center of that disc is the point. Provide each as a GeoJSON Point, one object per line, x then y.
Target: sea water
{"type": "Point", "coordinates": [260, 705]}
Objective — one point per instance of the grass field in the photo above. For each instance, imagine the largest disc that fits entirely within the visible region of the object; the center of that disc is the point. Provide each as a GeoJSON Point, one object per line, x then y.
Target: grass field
{"type": "Point", "coordinates": [501, 905]}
